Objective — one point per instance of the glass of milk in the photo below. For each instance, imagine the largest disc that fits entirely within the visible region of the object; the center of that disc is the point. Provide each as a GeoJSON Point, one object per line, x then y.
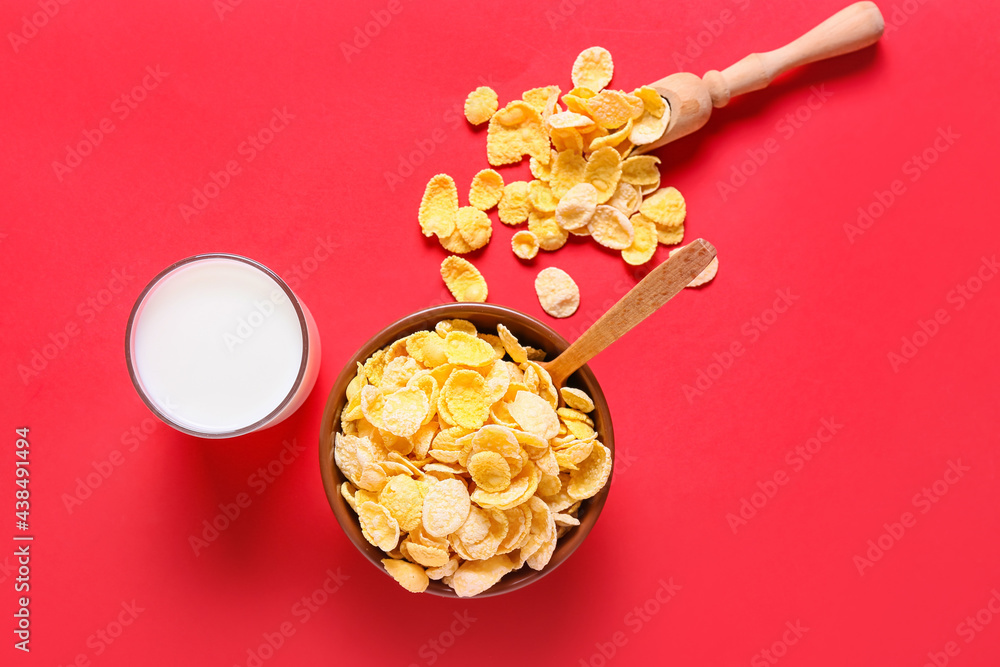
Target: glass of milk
{"type": "Point", "coordinates": [217, 346]}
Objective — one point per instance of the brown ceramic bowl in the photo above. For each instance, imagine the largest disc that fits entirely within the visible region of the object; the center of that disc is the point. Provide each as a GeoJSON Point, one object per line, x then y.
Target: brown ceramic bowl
{"type": "Point", "coordinates": [529, 331]}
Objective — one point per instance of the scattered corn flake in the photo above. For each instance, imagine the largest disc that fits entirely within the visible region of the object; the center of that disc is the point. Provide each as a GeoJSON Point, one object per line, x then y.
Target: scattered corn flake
{"type": "Point", "coordinates": [438, 207]}
{"type": "Point", "coordinates": [514, 204]}
{"type": "Point", "coordinates": [480, 105]}
{"type": "Point", "coordinates": [463, 280]}
{"type": "Point", "coordinates": [539, 98]}
{"type": "Point", "coordinates": [567, 139]}
{"type": "Point", "coordinates": [613, 108]}
{"type": "Point", "coordinates": [566, 119]}
{"type": "Point", "coordinates": [626, 198]}
{"type": "Point", "coordinates": [648, 128]}
{"type": "Point", "coordinates": [568, 169]}
{"type": "Point", "coordinates": [614, 139]}
{"type": "Point", "coordinates": [515, 131]}
{"type": "Point", "coordinates": [410, 576]}
{"type": "Point", "coordinates": [665, 207]}
{"type": "Point", "coordinates": [604, 170]}
{"type": "Point", "coordinates": [455, 243]}
{"type": "Point", "coordinates": [611, 228]}
{"type": "Point", "coordinates": [707, 274]}
{"type": "Point", "coordinates": [541, 197]}
{"type": "Point", "coordinates": [548, 232]}
{"type": "Point", "coordinates": [557, 293]}
{"type": "Point", "coordinates": [669, 235]}
{"type": "Point", "coordinates": [641, 170]}
{"type": "Point", "coordinates": [593, 68]}
{"type": "Point", "coordinates": [474, 226]}
{"type": "Point", "coordinates": [486, 190]}
{"type": "Point", "coordinates": [524, 244]}
{"type": "Point", "coordinates": [576, 207]}
{"type": "Point", "coordinates": [652, 102]}
{"type": "Point", "coordinates": [644, 241]}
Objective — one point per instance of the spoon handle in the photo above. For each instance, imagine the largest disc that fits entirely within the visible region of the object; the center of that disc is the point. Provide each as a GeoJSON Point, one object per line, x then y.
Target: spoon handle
{"type": "Point", "coordinates": [640, 302]}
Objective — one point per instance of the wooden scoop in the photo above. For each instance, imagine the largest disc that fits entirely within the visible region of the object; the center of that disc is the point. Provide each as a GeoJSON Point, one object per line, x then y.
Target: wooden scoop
{"type": "Point", "coordinates": [691, 99]}
{"type": "Point", "coordinates": [643, 300]}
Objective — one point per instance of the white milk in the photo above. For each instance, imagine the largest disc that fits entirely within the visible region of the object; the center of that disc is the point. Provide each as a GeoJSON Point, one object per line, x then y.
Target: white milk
{"type": "Point", "coordinates": [217, 346]}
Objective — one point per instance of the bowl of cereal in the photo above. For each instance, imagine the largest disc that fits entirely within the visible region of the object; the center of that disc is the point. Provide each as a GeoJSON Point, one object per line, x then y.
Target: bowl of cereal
{"type": "Point", "coordinates": [453, 463]}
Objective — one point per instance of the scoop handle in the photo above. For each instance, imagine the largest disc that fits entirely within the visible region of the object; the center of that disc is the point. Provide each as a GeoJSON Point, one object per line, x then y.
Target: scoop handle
{"type": "Point", "coordinates": [661, 285]}
{"type": "Point", "coordinates": [852, 28]}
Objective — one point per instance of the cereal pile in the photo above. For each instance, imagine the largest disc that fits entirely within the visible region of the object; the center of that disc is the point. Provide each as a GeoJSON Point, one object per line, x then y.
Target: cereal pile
{"type": "Point", "coordinates": [464, 461]}
{"type": "Point", "coordinates": [586, 180]}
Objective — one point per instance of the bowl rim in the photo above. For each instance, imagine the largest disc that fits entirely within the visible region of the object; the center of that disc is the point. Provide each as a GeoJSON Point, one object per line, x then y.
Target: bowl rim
{"type": "Point", "coordinates": [421, 320]}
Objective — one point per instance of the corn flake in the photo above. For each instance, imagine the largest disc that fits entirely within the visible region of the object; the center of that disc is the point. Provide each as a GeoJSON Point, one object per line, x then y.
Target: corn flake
{"type": "Point", "coordinates": [410, 576]}
{"type": "Point", "coordinates": [439, 207]}
{"type": "Point", "coordinates": [604, 170]}
{"type": "Point", "coordinates": [593, 68]}
{"type": "Point", "coordinates": [474, 226]}
{"type": "Point", "coordinates": [463, 280]}
{"type": "Point", "coordinates": [514, 204]}
{"type": "Point", "coordinates": [665, 207]}
{"type": "Point", "coordinates": [515, 131]}
{"type": "Point", "coordinates": [446, 507]}
{"type": "Point", "coordinates": [644, 241]}
{"type": "Point", "coordinates": [611, 228]}
{"type": "Point", "coordinates": [524, 244]}
{"type": "Point", "coordinates": [576, 207]}
{"type": "Point", "coordinates": [480, 105]}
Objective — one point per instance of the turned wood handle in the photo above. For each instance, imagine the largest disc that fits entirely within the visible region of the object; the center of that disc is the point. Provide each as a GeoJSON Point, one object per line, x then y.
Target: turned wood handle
{"type": "Point", "coordinates": [850, 29]}
{"type": "Point", "coordinates": [662, 284]}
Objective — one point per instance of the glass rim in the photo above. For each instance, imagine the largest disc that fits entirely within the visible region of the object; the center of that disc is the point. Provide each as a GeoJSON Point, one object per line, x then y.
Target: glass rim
{"type": "Point", "coordinates": [130, 332]}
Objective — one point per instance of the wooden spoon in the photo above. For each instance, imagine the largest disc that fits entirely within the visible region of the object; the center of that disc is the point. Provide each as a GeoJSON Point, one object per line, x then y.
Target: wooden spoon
{"type": "Point", "coordinates": [643, 300]}
{"type": "Point", "coordinates": [691, 98]}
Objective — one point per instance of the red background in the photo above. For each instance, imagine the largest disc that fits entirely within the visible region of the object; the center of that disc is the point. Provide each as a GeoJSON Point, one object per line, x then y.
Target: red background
{"type": "Point", "coordinates": [683, 465]}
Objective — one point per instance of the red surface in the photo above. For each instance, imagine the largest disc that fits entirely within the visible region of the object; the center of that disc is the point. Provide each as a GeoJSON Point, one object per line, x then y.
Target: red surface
{"type": "Point", "coordinates": [683, 465]}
